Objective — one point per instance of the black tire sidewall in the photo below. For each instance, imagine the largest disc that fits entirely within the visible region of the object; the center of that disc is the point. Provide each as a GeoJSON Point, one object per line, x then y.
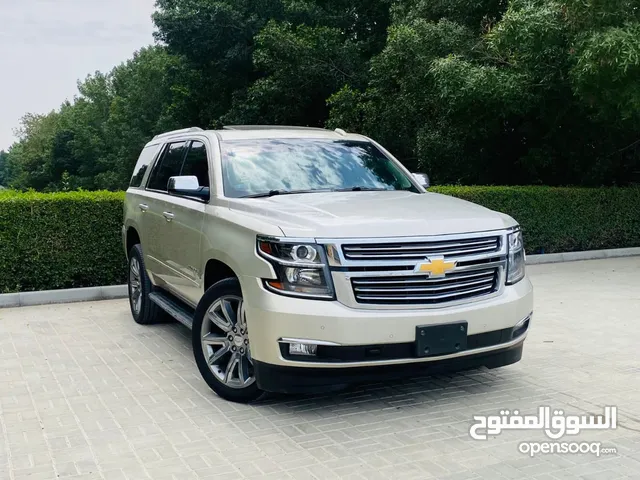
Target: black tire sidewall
{"type": "Point", "coordinates": [229, 286]}
{"type": "Point", "coordinates": [145, 313]}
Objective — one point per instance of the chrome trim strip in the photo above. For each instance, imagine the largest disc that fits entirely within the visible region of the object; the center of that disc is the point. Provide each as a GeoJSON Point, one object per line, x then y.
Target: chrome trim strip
{"type": "Point", "coordinates": [308, 342]}
{"type": "Point", "coordinates": [288, 293]}
{"type": "Point", "coordinates": [488, 281]}
{"type": "Point", "coordinates": [367, 297]}
{"type": "Point", "coordinates": [426, 281]}
{"type": "Point", "coordinates": [337, 256]}
{"type": "Point", "coordinates": [410, 273]}
{"type": "Point", "coordinates": [416, 256]}
{"type": "Point", "coordinates": [348, 263]}
{"type": "Point", "coordinates": [465, 353]}
{"type": "Point", "coordinates": [523, 321]}
{"type": "Point", "coordinates": [414, 246]}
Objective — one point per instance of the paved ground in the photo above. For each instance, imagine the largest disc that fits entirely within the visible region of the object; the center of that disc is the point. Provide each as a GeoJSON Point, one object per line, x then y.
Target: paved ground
{"type": "Point", "coordinates": [86, 393]}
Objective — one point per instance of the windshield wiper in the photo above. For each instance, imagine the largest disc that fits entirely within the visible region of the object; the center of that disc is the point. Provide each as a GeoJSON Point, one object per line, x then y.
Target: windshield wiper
{"type": "Point", "coordinates": [272, 193]}
{"type": "Point", "coordinates": [361, 189]}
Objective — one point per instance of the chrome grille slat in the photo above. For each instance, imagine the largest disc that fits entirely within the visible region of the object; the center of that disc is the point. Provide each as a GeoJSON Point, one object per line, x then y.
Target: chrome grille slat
{"type": "Point", "coordinates": [408, 289]}
{"type": "Point", "coordinates": [441, 296]}
{"type": "Point", "coordinates": [418, 246]}
{"type": "Point", "coordinates": [417, 255]}
{"type": "Point", "coordinates": [406, 279]}
{"type": "Point", "coordinates": [417, 250]}
{"type": "Point", "coordinates": [428, 289]}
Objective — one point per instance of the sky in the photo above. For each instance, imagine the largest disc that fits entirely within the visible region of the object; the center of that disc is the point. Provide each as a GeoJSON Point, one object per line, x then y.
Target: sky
{"type": "Point", "coordinates": [46, 46]}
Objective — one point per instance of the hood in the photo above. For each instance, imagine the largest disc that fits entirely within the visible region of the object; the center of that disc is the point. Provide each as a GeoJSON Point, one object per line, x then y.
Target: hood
{"type": "Point", "coordinates": [371, 214]}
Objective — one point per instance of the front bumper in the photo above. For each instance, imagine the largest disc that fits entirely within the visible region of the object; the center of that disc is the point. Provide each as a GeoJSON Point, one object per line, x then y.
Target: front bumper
{"type": "Point", "coordinates": [281, 379]}
{"type": "Point", "coordinates": [272, 317]}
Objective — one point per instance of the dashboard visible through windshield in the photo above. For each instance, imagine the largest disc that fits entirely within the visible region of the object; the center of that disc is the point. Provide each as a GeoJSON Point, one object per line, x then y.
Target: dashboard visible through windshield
{"type": "Point", "coordinates": [253, 168]}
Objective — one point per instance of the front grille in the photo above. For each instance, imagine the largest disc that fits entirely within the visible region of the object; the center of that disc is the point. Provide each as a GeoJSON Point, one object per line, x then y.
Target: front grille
{"type": "Point", "coordinates": [422, 290]}
{"type": "Point", "coordinates": [419, 250]}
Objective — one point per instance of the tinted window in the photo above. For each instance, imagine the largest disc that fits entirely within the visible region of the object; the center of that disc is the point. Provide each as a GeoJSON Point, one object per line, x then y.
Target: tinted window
{"type": "Point", "coordinates": [145, 159]}
{"type": "Point", "coordinates": [259, 166]}
{"type": "Point", "coordinates": [196, 163]}
{"type": "Point", "coordinates": [167, 166]}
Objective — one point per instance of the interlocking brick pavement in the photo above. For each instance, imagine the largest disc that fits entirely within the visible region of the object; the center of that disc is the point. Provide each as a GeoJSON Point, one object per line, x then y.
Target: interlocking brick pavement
{"type": "Point", "coordinates": [85, 393]}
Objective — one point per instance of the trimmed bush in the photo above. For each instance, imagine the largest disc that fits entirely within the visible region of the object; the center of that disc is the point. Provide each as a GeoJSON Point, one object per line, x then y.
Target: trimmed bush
{"type": "Point", "coordinates": [65, 240]}
{"type": "Point", "coordinates": [60, 240]}
{"type": "Point", "coordinates": [564, 219]}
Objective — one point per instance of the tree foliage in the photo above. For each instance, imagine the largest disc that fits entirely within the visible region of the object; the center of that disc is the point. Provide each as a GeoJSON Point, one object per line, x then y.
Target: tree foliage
{"type": "Point", "coordinates": [533, 91]}
{"type": "Point", "coordinates": [470, 91]}
{"type": "Point", "coordinates": [4, 167]}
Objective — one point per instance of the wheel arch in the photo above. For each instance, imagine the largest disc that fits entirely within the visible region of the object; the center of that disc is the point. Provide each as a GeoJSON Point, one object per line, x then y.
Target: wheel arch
{"type": "Point", "coordinates": [216, 270]}
{"type": "Point", "coordinates": [132, 238]}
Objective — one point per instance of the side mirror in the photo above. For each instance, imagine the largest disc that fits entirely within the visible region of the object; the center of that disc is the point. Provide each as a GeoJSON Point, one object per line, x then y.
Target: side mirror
{"type": "Point", "coordinates": [423, 179]}
{"type": "Point", "coordinates": [187, 186]}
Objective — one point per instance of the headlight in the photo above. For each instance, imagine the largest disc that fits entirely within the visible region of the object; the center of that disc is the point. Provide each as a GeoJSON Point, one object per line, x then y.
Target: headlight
{"type": "Point", "coordinates": [516, 258]}
{"type": "Point", "coordinates": [301, 268]}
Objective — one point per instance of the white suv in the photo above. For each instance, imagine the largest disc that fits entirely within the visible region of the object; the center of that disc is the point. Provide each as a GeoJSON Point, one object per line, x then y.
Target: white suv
{"type": "Point", "coordinates": [305, 259]}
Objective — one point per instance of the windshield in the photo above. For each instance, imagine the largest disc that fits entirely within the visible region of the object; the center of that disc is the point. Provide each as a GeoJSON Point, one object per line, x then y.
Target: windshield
{"type": "Point", "coordinates": [264, 167]}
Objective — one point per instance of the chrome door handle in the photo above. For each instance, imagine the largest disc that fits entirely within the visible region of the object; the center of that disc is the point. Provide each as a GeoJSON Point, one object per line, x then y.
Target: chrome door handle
{"type": "Point", "coordinates": [168, 215]}
{"type": "Point", "coordinates": [143, 207]}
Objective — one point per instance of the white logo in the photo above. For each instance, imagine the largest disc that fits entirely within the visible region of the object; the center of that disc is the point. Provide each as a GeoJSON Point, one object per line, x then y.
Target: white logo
{"type": "Point", "coordinates": [554, 423]}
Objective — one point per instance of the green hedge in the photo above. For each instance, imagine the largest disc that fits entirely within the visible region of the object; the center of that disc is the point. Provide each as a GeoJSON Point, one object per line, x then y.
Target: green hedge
{"type": "Point", "coordinates": [60, 240]}
{"type": "Point", "coordinates": [564, 219]}
{"type": "Point", "coordinates": [64, 240]}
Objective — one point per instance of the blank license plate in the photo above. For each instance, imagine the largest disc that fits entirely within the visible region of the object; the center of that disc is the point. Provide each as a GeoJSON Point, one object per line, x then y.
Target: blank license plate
{"type": "Point", "coordinates": [441, 339]}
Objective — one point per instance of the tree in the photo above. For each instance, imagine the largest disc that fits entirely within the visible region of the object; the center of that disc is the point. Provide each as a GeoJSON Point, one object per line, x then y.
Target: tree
{"type": "Point", "coordinates": [4, 158]}
{"type": "Point", "coordinates": [270, 61]}
{"type": "Point", "coordinates": [471, 91]}
{"type": "Point", "coordinates": [94, 141]}
{"type": "Point", "coordinates": [546, 93]}
{"type": "Point", "coordinates": [302, 67]}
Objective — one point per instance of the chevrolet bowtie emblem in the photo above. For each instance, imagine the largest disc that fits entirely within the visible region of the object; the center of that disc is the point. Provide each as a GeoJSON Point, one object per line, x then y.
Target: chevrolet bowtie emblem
{"type": "Point", "coordinates": [435, 267]}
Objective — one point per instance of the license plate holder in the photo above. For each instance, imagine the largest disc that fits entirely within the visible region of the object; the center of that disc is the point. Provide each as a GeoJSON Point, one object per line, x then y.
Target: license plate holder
{"type": "Point", "coordinates": [432, 340]}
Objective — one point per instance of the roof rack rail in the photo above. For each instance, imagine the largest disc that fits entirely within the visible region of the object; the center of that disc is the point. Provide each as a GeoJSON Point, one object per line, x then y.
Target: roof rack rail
{"type": "Point", "coordinates": [175, 132]}
{"type": "Point", "coordinates": [268, 127]}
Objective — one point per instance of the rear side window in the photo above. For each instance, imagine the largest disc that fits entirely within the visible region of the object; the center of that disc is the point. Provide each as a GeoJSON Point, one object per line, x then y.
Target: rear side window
{"type": "Point", "coordinates": [196, 163]}
{"type": "Point", "coordinates": [167, 166]}
{"type": "Point", "coordinates": [145, 159]}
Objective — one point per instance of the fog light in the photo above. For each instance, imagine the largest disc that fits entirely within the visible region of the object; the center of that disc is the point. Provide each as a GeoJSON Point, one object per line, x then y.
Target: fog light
{"type": "Point", "coordinates": [521, 327]}
{"type": "Point", "coordinates": [302, 349]}
{"type": "Point", "coordinates": [523, 321]}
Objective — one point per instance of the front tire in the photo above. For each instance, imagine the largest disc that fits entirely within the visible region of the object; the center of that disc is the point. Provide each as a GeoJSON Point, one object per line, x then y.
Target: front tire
{"type": "Point", "coordinates": [143, 310]}
{"type": "Point", "coordinates": [221, 343]}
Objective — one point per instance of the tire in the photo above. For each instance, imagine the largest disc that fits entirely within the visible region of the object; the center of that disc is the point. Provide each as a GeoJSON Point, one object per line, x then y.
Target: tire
{"type": "Point", "coordinates": [223, 355]}
{"type": "Point", "coordinates": [147, 312]}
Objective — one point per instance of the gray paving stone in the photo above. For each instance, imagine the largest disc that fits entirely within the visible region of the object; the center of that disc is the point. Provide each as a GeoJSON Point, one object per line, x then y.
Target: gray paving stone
{"type": "Point", "coordinates": [85, 393]}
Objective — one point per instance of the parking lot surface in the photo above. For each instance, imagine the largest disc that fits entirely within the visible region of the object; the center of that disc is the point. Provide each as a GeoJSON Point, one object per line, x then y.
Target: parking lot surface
{"type": "Point", "coordinates": [87, 393]}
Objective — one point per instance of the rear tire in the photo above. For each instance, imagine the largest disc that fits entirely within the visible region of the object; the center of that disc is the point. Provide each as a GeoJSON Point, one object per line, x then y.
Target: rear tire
{"type": "Point", "coordinates": [143, 310]}
{"type": "Point", "coordinates": [221, 343]}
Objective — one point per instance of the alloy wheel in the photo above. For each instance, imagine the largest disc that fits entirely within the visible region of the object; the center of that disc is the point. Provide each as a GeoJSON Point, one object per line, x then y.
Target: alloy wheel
{"type": "Point", "coordinates": [225, 342]}
{"type": "Point", "coordinates": [135, 285]}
